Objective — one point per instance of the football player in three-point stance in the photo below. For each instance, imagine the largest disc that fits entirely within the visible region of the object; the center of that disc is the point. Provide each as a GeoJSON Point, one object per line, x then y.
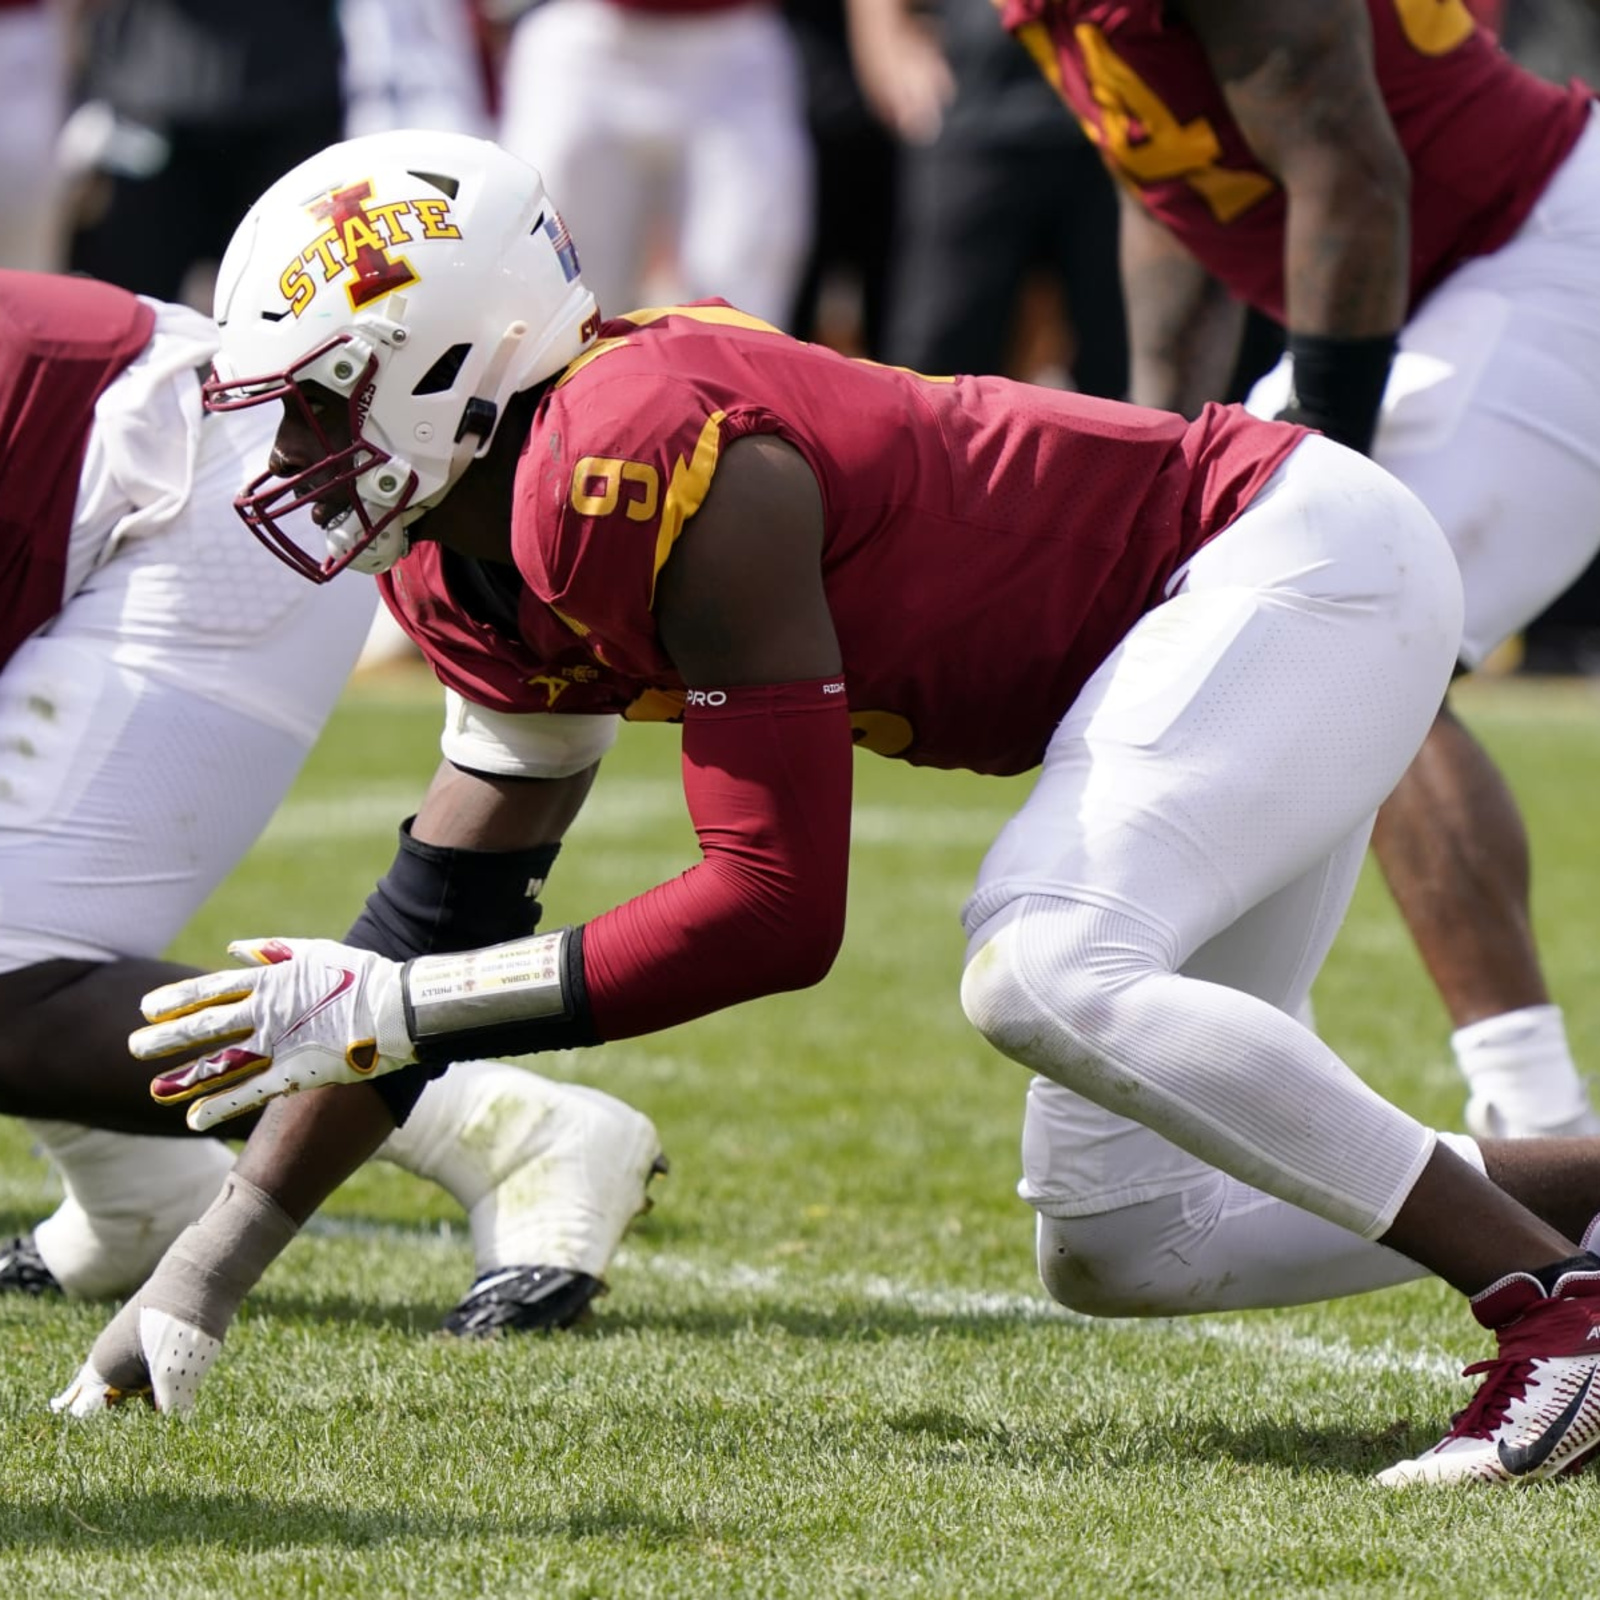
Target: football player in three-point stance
{"type": "Point", "coordinates": [1423, 215]}
{"type": "Point", "coordinates": [1219, 641]}
{"type": "Point", "coordinates": [161, 681]}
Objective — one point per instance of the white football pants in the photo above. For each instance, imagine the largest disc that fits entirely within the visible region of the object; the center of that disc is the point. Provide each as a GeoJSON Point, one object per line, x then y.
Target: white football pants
{"type": "Point", "coordinates": [1143, 929]}
{"type": "Point", "coordinates": [412, 64]}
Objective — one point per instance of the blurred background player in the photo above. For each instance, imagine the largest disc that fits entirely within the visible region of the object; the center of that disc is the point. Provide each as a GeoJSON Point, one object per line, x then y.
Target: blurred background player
{"type": "Point", "coordinates": [182, 109]}
{"type": "Point", "coordinates": [1424, 218]}
{"type": "Point", "coordinates": [33, 105]}
{"type": "Point", "coordinates": [1559, 40]}
{"type": "Point", "coordinates": [414, 64]}
{"type": "Point", "coordinates": [161, 681]}
{"type": "Point", "coordinates": [674, 133]}
{"type": "Point", "coordinates": [1005, 220]}
{"type": "Point", "coordinates": [841, 298]}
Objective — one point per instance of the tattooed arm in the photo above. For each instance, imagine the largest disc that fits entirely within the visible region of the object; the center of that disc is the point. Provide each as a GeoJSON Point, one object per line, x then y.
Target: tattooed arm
{"type": "Point", "coordinates": [1299, 81]}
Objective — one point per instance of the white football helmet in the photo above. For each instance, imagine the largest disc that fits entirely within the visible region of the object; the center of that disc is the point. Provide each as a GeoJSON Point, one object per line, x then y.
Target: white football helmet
{"type": "Point", "coordinates": [424, 277]}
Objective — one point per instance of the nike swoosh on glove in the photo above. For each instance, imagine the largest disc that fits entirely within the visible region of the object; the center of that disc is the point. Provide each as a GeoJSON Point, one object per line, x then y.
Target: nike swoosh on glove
{"type": "Point", "coordinates": [310, 1012]}
{"type": "Point", "coordinates": [143, 1354]}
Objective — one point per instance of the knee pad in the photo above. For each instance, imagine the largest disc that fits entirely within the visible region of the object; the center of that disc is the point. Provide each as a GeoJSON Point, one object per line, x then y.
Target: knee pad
{"type": "Point", "coordinates": [988, 985]}
{"type": "Point", "coordinates": [1043, 987]}
{"type": "Point", "coordinates": [1114, 1263]}
{"type": "Point", "coordinates": [997, 998]}
{"type": "Point", "coordinates": [1216, 1245]}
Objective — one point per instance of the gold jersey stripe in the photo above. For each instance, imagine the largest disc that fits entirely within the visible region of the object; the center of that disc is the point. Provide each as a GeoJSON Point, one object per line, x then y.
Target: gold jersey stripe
{"type": "Point", "coordinates": [686, 491]}
{"type": "Point", "coordinates": [722, 316]}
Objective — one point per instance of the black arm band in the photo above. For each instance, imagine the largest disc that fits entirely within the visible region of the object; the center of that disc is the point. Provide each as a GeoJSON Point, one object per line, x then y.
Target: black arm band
{"type": "Point", "coordinates": [435, 899]}
{"type": "Point", "coordinates": [1338, 385]}
{"type": "Point", "coordinates": [513, 999]}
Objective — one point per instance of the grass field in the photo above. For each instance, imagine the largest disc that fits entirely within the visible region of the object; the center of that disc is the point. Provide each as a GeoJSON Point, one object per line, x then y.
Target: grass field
{"type": "Point", "coordinates": [825, 1367]}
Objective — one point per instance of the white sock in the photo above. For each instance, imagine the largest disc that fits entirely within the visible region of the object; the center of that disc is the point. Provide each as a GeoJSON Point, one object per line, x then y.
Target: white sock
{"type": "Point", "coordinates": [128, 1197]}
{"type": "Point", "coordinates": [1520, 1073]}
{"type": "Point", "coordinates": [549, 1174]}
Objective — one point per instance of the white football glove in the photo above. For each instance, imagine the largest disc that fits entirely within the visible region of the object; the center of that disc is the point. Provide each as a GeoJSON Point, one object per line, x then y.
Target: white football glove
{"type": "Point", "coordinates": [311, 1012]}
{"type": "Point", "coordinates": [143, 1354]}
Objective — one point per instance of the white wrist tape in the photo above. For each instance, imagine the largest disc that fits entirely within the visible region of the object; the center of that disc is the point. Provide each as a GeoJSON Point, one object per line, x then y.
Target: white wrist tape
{"type": "Point", "coordinates": [215, 1262]}
{"type": "Point", "coordinates": [523, 995]}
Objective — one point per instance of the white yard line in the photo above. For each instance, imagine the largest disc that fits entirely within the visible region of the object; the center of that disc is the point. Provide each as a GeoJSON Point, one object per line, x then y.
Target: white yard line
{"type": "Point", "coordinates": [617, 808]}
{"type": "Point", "coordinates": [742, 1279]}
{"type": "Point", "coordinates": [1338, 1353]}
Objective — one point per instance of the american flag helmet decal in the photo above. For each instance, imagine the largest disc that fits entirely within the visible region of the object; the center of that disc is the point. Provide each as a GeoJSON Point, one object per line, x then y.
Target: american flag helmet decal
{"type": "Point", "coordinates": [566, 250]}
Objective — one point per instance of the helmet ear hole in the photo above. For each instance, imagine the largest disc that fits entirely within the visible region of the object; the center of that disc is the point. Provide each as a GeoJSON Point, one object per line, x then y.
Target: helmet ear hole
{"type": "Point", "coordinates": [441, 376]}
{"type": "Point", "coordinates": [478, 419]}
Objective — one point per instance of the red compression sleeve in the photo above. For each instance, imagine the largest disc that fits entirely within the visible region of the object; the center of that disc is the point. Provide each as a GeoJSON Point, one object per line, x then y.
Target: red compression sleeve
{"type": "Point", "coordinates": [766, 773]}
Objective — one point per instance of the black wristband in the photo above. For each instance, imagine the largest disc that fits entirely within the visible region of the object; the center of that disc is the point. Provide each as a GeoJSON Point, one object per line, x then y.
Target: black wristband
{"type": "Point", "coordinates": [1337, 385]}
{"type": "Point", "coordinates": [435, 899]}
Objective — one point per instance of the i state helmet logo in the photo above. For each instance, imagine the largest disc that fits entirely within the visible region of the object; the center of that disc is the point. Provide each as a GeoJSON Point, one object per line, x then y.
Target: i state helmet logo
{"type": "Point", "coordinates": [361, 243]}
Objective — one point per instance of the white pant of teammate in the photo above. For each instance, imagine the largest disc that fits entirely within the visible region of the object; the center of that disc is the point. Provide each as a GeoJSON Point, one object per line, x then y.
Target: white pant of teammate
{"type": "Point", "coordinates": [163, 714]}
{"type": "Point", "coordinates": [151, 731]}
{"type": "Point", "coordinates": [1142, 930]}
{"type": "Point", "coordinates": [1492, 412]}
{"type": "Point", "coordinates": [681, 132]}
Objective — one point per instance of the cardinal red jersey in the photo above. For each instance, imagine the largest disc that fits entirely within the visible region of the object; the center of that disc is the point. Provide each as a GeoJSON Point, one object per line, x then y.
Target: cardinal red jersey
{"type": "Point", "coordinates": [533, 664]}
{"type": "Point", "coordinates": [62, 341]}
{"type": "Point", "coordinates": [1482, 135]}
{"type": "Point", "coordinates": [986, 543]}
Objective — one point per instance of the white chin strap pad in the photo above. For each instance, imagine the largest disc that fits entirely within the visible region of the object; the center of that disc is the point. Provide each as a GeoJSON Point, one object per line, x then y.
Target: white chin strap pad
{"type": "Point", "coordinates": [380, 555]}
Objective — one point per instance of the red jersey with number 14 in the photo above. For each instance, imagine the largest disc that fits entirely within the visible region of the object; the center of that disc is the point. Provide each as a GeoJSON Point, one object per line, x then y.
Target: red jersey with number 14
{"type": "Point", "coordinates": [986, 543]}
{"type": "Point", "coordinates": [1482, 135]}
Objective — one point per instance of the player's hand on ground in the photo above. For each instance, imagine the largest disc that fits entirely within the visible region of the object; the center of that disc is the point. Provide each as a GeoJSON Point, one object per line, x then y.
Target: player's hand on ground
{"type": "Point", "coordinates": [308, 1012]}
{"type": "Point", "coordinates": [143, 1354]}
{"type": "Point", "coordinates": [160, 1345]}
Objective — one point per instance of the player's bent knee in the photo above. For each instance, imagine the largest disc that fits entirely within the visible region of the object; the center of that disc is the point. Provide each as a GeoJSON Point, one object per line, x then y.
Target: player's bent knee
{"type": "Point", "coordinates": [1050, 1014]}
{"type": "Point", "coordinates": [1071, 1278]}
{"type": "Point", "coordinates": [996, 999]}
{"type": "Point", "coordinates": [1117, 1263]}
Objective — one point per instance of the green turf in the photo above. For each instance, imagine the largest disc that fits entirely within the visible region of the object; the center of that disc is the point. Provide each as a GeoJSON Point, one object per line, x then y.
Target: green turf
{"type": "Point", "coordinates": [825, 1367]}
